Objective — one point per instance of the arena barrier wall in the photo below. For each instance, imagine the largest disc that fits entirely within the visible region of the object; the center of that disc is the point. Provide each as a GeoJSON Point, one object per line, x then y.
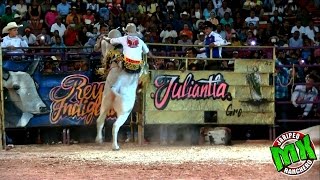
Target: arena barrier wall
{"type": "Point", "coordinates": [33, 98]}
{"type": "Point", "coordinates": [242, 96]}
{"type": "Point", "coordinates": [36, 99]}
{"type": "Point", "coordinates": [74, 98]}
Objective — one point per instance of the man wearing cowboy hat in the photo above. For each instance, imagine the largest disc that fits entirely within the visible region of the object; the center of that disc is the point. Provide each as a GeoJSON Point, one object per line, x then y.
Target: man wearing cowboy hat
{"type": "Point", "coordinates": [170, 10]}
{"type": "Point", "coordinates": [21, 23]}
{"type": "Point", "coordinates": [199, 25]}
{"type": "Point", "coordinates": [184, 14]}
{"type": "Point", "coordinates": [184, 20]}
{"type": "Point", "coordinates": [125, 87]}
{"type": "Point", "coordinates": [12, 41]}
{"type": "Point", "coordinates": [131, 30]}
{"type": "Point", "coordinates": [133, 46]}
{"type": "Point", "coordinates": [200, 41]}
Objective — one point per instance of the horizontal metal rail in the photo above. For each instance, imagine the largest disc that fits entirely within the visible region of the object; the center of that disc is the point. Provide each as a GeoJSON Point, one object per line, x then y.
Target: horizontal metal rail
{"type": "Point", "coordinates": [298, 120]}
{"type": "Point", "coordinates": [289, 102]}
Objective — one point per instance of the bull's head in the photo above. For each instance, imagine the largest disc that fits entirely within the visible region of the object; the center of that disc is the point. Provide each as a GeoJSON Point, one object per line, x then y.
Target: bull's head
{"type": "Point", "coordinates": [22, 90]}
{"type": "Point", "coordinates": [108, 52]}
{"type": "Point", "coordinates": [105, 46]}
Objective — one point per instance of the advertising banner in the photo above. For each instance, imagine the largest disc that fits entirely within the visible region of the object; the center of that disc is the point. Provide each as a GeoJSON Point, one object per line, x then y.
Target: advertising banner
{"type": "Point", "coordinates": [242, 96]}
{"type": "Point", "coordinates": [34, 99]}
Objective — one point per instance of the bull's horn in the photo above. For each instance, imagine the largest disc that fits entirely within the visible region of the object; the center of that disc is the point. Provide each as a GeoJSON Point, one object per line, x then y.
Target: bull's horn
{"type": "Point", "coordinates": [33, 66]}
{"type": "Point", "coordinates": [5, 74]}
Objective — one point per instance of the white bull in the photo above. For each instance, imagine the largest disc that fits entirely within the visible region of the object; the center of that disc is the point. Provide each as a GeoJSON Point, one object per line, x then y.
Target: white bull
{"type": "Point", "coordinates": [23, 93]}
{"type": "Point", "coordinates": [121, 100]}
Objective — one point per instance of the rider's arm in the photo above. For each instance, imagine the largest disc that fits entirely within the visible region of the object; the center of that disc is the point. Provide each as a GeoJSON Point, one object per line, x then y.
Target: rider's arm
{"type": "Point", "coordinates": [151, 55]}
{"type": "Point", "coordinates": [146, 50]}
{"type": "Point", "coordinates": [119, 40]}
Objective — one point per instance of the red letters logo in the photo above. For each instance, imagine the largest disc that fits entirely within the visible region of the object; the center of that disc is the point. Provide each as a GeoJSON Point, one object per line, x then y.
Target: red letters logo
{"type": "Point", "coordinates": [132, 42]}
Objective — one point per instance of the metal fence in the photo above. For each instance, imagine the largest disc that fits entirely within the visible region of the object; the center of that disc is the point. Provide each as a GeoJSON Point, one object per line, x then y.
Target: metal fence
{"type": "Point", "coordinates": [43, 54]}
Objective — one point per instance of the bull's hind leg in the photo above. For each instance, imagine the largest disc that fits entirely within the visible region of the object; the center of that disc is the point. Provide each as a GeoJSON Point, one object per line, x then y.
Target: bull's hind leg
{"type": "Point", "coordinates": [106, 104]}
{"type": "Point", "coordinates": [115, 129]}
{"type": "Point", "coordinates": [125, 95]}
{"type": "Point", "coordinates": [100, 124]}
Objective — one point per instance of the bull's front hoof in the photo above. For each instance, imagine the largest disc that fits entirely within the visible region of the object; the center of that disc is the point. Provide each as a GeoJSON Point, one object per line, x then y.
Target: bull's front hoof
{"type": "Point", "coordinates": [115, 149]}
{"type": "Point", "coordinates": [99, 141]}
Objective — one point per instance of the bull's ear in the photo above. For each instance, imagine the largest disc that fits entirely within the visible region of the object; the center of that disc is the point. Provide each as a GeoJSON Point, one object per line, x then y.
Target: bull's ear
{"type": "Point", "coordinates": [33, 66]}
{"type": "Point", "coordinates": [37, 85]}
{"type": "Point", "coordinates": [5, 75]}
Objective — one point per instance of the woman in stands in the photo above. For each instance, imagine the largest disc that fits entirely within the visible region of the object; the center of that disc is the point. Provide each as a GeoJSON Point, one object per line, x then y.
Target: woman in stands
{"type": "Point", "coordinates": [208, 10]}
{"type": "Point", "coordinates": [34, 13]}
{"type": "Point", "coordinates": [22, 9]}
{"type": "Point", "coordinates": [45, 7]}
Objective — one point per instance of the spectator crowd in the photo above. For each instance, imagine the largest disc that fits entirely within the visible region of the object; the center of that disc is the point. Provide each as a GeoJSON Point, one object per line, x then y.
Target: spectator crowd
{"type": "Point", "coordinates": [280, 23]}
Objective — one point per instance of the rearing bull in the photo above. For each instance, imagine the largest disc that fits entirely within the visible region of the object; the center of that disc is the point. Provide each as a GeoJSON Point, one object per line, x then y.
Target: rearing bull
{"type": "Point", "coordinates": [122, 79]}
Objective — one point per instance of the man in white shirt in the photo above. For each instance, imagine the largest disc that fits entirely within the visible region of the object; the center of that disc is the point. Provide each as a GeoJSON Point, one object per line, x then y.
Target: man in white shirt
{"type": "Point", "coordinates": [224, 9]}
{"type": "Point", "coordinates": [303, 96]}
{"type": "Point", "coordinates": [12, 41]}
{"type": "Point", "coordinates": [298, 27]}
{"type": "Point", "coordinates": [30, 37]}
{"type": "Point", "coordinates": [252, 19]}
{"type": "Point", "coordinates": [125, 85]}
{"type": "Point", "coordinates": [168, 32]}
{"type": "Point", "coordinates": [311, 31]}
{"type": "Point", "coordinates": [58, 26]}
{"type": "Point", "coordinates": [133, 47]}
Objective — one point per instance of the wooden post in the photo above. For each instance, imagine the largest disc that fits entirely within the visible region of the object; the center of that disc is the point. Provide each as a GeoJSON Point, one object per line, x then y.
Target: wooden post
{"type": "Point", "coordinates": [132, 127]}
{"type": "Point", "coordinates": [2, 129]}
{"type": "Point", "coordinates": [140, 118]}
{"type": "Point", "coordinates": [186, 65]}
{"type": "Point", "coordinates": [140, 113]}
{"type": "Point", "coordinates": [273, 130]}
{"type": "Point", "coordinates": [64, 136]}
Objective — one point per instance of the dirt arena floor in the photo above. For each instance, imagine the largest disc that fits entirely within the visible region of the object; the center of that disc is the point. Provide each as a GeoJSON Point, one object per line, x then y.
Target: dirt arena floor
{"type": "Point", "coordinates": [249, 160]}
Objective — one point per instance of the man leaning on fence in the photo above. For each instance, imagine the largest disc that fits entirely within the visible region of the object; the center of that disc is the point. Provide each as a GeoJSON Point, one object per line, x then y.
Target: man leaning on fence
{"type": "Point", "coordinates": [214, 41]}
{"type": "Point", "coordinates": [303, 97]}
